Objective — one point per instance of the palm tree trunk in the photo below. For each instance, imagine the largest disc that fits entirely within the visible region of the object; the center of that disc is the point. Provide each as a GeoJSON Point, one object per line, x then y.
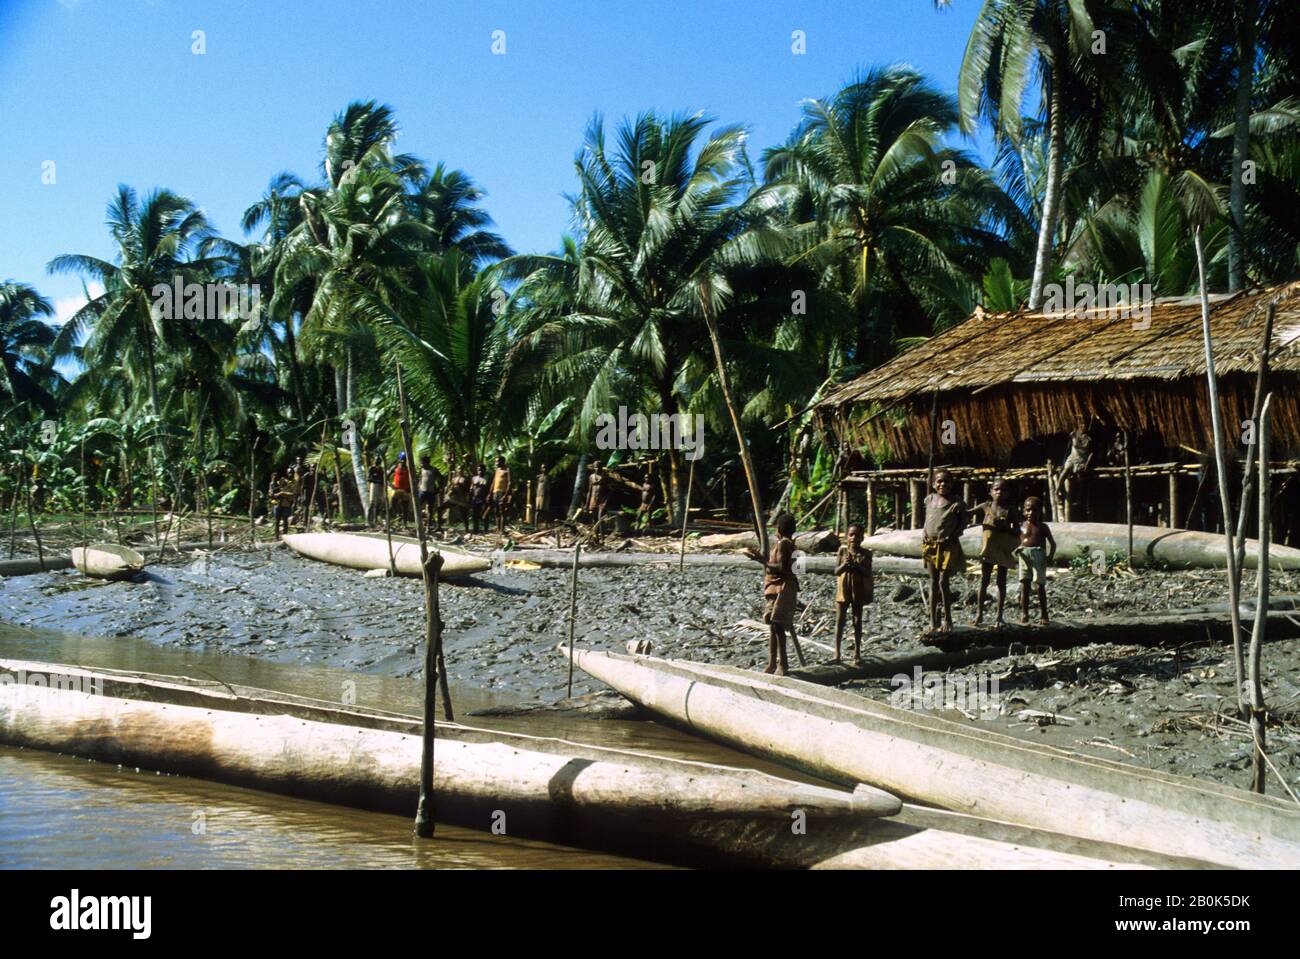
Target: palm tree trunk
{"type": "Point", "coordinates": [354, 444]}
{"type": "Point", "coordinates": [1241, 145]}
{"type": "Point", "coordinates": [724, 382]}
{"type": "Point", "coordinates": [579, 481]}
{"type": "Point", "coordinates": [295, 371]}
{"type": "Point", "coordinates": [1051, 198]}
{"type": "Point", "coordinates": [669, 404]}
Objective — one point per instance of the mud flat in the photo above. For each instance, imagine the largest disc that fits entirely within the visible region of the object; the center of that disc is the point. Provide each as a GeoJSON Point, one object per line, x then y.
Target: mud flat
{"type": "Point", "coordinates": [1159, 707]}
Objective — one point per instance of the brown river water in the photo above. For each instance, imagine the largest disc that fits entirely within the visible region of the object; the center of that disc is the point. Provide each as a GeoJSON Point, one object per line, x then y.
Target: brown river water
{"type": "Point", "coordinates": [59, 811]}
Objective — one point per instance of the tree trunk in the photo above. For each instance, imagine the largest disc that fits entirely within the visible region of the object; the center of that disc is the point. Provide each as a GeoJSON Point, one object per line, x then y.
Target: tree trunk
{"type": "Point", "coordinates": [579, 485]}
{"type": "Point", "coordinates": [1241, 144]}
{"type": "Point", "coordinates": [295, 371]}
{"type": "Point", "coordinates": [1051, 199]}
{"type": "Point", "coordinates": [675, 488]}
{"type": "Point", "coordinates": [353, 437]}
{"type": "Point", "coordinates": [724, 381]}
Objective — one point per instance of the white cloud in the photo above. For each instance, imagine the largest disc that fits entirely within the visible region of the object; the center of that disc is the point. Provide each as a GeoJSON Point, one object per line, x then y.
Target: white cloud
{"type": "Point", "coordinates": [66, 306]}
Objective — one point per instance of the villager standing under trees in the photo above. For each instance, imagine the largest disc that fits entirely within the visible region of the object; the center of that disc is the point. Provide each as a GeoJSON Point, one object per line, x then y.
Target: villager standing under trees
{"type": "Point", "coordinates": [1036, 549]}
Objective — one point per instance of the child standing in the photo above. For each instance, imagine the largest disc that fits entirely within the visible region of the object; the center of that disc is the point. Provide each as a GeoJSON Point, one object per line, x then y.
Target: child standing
{"type": "Point", "coordinates": [853, 589]}
{"type": "Point", "coordinates": [1035, 551]}
{"type": "Point", "coordinates": [945, 519]}
{"type": "Point", "coordinates": [1001, 536]}
{"type": "Point", "coordinates": [780, 592]}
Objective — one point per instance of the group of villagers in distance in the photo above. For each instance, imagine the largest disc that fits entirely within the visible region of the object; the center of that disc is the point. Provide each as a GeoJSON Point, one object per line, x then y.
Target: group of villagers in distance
{"type": "Point", "coordinates": [1012, 536]}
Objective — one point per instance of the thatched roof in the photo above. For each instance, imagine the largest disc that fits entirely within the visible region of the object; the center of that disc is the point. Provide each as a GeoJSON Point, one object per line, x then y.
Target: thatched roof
{"type": "Point", "coordinates": [1008, 377]}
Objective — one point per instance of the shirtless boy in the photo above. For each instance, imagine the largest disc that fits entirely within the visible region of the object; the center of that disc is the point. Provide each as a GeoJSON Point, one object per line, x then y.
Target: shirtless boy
{"type": "Point", "coordinates": [853, 589]}
{"type": "Point", "coordinates": [945, 519]}
{"type": "Point", "coordinates": [1034, 553]}
{"type": "Point", "coordinates": [1001, 536]}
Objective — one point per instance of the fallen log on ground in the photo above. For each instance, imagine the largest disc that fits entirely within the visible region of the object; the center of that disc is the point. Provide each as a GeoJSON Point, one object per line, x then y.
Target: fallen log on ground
{"type": "Point", "coordinates": [814, 541]}
{"type": "Point", "coordinates": [810, 564]}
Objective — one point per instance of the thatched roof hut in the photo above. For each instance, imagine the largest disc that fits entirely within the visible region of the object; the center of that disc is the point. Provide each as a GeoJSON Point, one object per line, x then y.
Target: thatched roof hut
{"type": "Point", "coordinates": [1008, 379]}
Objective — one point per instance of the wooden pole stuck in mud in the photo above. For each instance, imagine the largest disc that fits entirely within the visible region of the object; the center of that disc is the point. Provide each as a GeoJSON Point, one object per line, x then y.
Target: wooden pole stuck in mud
{"type": "Point", "coordinates": [686, 513]}
{"type": "Point", "coordinates": [424, 817]}
{"type": "Point", "coordinates": [1221, 462]}
{"type": "Point", "coordinates": [1128, 497]}
{"type": "Point", "coordinates": [433, 625]}
{"type": "Point", "coordinates": [1257, 711]}
{"type": "Point", "coordinates": [573, 610]}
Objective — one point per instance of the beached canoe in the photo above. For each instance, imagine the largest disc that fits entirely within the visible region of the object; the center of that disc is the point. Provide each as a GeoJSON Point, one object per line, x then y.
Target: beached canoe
{"type": "Point", "coordinates": [599, 797]}
{"type": "Point", "coordinates": [370, 551]}
{"type": "Point", "coordinates": [922, 758]}
{"type": "Point", "coordinates": [1152, 546]}
{"type": "Point", "coordinates": [107, 560]}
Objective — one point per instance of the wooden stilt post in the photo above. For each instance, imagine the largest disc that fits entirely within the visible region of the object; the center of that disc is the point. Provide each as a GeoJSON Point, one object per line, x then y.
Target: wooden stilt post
{"type": "Point", "coordinates": [1128, 498]}
{"type": "Point", "coordinates": [1051, 493]}
{"type": "Point", "coordinates": [871, 507]}
{"type": "Point", "coordinates": [914, 487]}
{"type": "Point", "coordinates": [1221, 462]}
{"type": "Point", "coordinates": [1257, 712]}
{"type": "Point", "coordinates": [573, 610]}
{"type": "Point", "coordinates": [898, 507]}
{"type": "Point", "coordinates": [1173, 498]}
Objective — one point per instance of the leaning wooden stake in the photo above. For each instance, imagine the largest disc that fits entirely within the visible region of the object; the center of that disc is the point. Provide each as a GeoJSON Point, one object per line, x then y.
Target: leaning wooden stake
{"type": "Point", "coordinates": [432, 644]}
{"type": "Point", "coordinates": [690, 482]}
{"type": "Point", "coordinates": [573, 610]}
{"type": "Point", "coordinates": [31, 519]}
{"type": "Point", "coordinates": [1257, 712]}
{"type": "Point", "coordinates": [1220, 456]}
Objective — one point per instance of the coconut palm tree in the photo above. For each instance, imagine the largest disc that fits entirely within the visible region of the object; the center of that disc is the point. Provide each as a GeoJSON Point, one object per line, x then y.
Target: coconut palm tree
{"type": "Point", "coordinates": [447, 202]}
{"type": "Point", "coordinates": [665, 218]}
{"type": "Point", "coordinates": [889, 214]}
{"type": "Point", "coordinates": [154, 240]}
{"type": "Point", "coordinates": [26, 342]}
{"type": "Point", "coordinates": [1012, 43]}
{"type": "Point", "coordinates": [452, 341]}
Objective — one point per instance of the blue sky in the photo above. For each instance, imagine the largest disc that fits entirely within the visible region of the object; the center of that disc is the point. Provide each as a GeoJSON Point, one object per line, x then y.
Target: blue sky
{"type": "Point", "coordinates": [111, 91]}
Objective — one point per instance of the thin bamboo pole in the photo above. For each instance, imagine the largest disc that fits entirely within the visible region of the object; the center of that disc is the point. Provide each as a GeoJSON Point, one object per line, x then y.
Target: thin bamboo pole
{"type": "Point", "coordinates": [573, 610]}
{"type": "Point", "coordinates": [1221, 461]}
{"type": "Point", "coordinates": [1261, 380]}
{"type": "Point", "coordinates": [686, 513]}
{"type": "Point", "coordinates": [1257, 711]}
{"type": "Point", "coordinates": [1128, 498]}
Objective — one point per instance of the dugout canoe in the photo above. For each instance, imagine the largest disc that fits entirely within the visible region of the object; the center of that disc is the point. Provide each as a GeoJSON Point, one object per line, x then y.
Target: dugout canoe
{"type": "Point", "coordinates": [923, 758]}
{"type": "Point", "coordinates": [107, 560]}
{"type": "Point", "coordinates": [591, 796]}
{"type": "Point", "coordinates": [370, 551]}
{"type": "Point", "coordinates": [1152, 546]}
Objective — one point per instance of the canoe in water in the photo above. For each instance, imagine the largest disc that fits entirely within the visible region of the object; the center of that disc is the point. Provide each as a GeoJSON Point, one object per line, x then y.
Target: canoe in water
{"type": "Point", "coordinates": [1152, 546]}
{"type": "Point", "coordinates": [592, 796]}
{"type": "Point", "coordinates": [958, 766]}
{"type": "Point", "coordinates": [107, 560]}
{"type": "Point", "coordinates": [370, 551]}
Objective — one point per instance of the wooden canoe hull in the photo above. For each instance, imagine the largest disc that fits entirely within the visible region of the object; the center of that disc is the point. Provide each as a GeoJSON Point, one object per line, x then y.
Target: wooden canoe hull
{"type": "Point", "coordinates": [596, 797]}
{"type": "Point", "coordinates": [367, 551]}
{"type": "Point", "coordinates": [107, 560]}
{"type": "Point", "coordinates": [926, 759]}
{"type": "Point", "coordinates": [1152, 546]}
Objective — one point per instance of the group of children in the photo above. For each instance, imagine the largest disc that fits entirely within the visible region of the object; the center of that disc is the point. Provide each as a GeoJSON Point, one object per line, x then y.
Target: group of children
{"type": "Point", "coordinates": [1011, 537]}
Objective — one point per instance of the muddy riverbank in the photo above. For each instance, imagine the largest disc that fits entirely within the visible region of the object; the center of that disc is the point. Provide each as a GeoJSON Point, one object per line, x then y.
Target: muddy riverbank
{"type": "Point", "coordinates": [1157, 707]}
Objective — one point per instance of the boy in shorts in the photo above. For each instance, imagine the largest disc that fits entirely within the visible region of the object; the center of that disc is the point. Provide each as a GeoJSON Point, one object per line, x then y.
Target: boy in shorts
{"type": "Point", "coordinates": [1036, 549]}
{"type": "Point", "coordinates": [945, 520]}
{"type": "Point", "coordinates": [1001, 537]}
